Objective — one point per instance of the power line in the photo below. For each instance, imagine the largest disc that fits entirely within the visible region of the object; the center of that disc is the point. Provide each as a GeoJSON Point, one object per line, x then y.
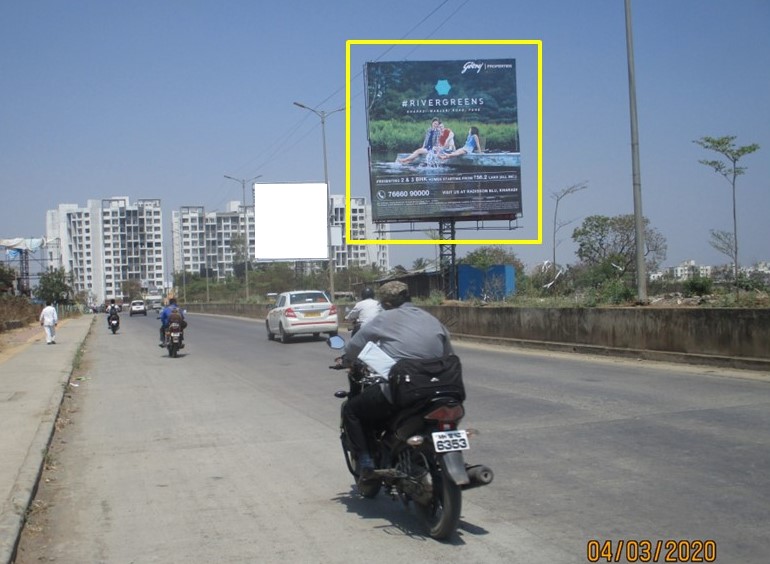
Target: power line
{"type": "Point", "coordinates": [285, 142]}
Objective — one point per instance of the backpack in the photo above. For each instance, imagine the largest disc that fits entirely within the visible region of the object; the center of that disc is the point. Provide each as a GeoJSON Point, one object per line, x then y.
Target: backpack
{"type": "Point", "coordinates": [176, 317]}
{"type": "Point", "coordinates": [414, 380]}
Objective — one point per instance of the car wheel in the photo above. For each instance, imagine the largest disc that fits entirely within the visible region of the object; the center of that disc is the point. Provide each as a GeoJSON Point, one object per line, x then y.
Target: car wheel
{"type": "Point", "coordinates": [270, 334]}
{"type": "Point", "coordinates": [284, 335]}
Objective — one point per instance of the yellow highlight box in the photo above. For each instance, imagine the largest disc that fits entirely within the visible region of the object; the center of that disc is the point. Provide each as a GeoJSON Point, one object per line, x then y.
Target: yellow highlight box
{"type": "Point", "coordinates": [539, 45]}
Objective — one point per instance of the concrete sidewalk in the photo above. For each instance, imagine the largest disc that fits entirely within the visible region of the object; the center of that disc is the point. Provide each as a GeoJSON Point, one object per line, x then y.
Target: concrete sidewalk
{"type": "Point", "coordinates": [33, 377]}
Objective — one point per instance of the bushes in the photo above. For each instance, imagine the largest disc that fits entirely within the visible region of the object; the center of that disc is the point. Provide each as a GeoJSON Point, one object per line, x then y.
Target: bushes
{"type": "Point", "coordinates": [698, 286]}
{"type": "Point", "coordinates": [396, 136]}
{"type": "Point", "coordinates": [16, 308]}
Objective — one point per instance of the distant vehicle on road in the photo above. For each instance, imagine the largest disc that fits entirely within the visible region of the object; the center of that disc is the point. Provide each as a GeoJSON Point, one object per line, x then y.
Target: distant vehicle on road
{"type": "Point", "coordinates": [137, 308]}
{"type": "Point", "coordinates": [302, 312]}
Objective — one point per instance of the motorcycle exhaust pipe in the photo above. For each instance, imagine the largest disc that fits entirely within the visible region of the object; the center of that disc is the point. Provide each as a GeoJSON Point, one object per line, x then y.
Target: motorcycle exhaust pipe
{"type": "Point", "coordinates": [478, 475]}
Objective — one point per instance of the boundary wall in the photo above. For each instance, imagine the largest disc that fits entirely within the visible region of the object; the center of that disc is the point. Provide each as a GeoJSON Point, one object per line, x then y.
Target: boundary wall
{"type": "Point", "coordinates": [738, 338]}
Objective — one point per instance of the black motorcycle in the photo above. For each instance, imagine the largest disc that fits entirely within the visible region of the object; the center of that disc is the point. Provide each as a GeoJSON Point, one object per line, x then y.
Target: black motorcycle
{"type": "Point", "coordinates": [418, 455]}
{"type": "Point", "coordinates": [174, 338]}
{"type": "Point", "coordinates": [113, 322]}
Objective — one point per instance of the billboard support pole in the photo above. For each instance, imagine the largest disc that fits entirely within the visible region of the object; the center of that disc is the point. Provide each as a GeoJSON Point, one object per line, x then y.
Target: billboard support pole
{"type": "Point", "coordinates": [447, 257]}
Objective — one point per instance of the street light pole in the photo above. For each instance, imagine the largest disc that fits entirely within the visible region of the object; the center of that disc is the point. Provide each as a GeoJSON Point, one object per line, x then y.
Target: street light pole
{"type": "Point", "coordinates": [206, 256]}
{"type": "Point", "coordinates": [641, 267]}
{"type": "Point", "coordinates": [246, 227]}
{"type": "Point", "coordinates": [329, 211]}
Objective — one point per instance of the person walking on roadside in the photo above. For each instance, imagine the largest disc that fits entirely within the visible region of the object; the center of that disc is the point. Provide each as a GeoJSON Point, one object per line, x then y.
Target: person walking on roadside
{"type": "Point", "coordinates": [49, 319]}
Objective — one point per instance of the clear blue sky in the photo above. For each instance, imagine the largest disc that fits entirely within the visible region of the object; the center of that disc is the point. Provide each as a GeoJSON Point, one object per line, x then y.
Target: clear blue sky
{"type": "Point", "coordinates": [160, 99]}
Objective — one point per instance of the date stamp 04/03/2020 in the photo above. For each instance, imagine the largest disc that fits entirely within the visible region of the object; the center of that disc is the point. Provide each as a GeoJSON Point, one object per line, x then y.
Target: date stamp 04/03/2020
{"type": "Point", "coordinates": [644, 550]}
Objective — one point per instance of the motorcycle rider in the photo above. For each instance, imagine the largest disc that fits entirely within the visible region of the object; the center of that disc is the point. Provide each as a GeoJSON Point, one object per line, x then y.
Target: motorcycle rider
{"type": "Point", "coordinates": [112, 310]}
{"type": "Point", "coordinates": [172, 309]}
{"type": "Point", "coordinates": [402, 330]}
{"type": "Point", "coordinates": [364, 310]}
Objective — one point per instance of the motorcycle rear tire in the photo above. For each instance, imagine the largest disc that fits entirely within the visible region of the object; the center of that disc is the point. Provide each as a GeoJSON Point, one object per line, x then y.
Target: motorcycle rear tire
{"type": "Point", "coordinates": [114, 329]}
{"type": "Point", "coordinates": [172, 349]}
{"type": "Point", "coordinates": [442, 515]}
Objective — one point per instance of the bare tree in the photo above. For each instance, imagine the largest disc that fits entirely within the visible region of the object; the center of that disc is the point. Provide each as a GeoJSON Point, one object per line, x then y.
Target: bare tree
{"type": "Point", "coordinates": [557, 225]}
{"type": "Point", "coordinates": [723, 242]}
{"type": "Point", "coordinates": [725, 146]}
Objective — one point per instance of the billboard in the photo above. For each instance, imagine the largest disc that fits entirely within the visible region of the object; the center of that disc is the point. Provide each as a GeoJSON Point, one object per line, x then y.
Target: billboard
{"type": "Point", "coordinates": [290, 221]}
{"type": "Point", "coordinates": [443, 140]}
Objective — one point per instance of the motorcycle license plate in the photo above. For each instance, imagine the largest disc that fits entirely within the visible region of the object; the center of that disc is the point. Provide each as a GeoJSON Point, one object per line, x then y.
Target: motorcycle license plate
{"type": "Point", "coordinates": [448, 441]}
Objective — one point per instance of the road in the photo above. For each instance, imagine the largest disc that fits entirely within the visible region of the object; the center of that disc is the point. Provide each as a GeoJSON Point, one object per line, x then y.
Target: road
{"type": "Point", "coordinates": [229, 453]}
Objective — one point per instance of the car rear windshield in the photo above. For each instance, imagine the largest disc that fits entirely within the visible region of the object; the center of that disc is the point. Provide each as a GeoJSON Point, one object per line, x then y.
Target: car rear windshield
{"type": "Point", "coordinates": [307, 298]}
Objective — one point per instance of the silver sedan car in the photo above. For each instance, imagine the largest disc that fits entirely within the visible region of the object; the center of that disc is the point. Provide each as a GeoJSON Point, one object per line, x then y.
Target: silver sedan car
{"type": "Point", "coordinates": [301, 312]}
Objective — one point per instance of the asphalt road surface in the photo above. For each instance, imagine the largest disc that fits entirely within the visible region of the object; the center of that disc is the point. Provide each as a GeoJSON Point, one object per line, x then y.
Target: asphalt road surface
{"type": "Point", "coordinates": [230, 453]}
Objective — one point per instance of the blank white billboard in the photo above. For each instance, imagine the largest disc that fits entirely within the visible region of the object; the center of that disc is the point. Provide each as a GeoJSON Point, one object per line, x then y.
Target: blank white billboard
{"type": "Point", "coordinates": [290, 221]}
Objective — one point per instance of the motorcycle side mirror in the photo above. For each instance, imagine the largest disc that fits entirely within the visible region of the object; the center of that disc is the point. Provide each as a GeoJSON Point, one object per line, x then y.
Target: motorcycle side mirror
{"type": "Point", "coordinates": [336, 342]}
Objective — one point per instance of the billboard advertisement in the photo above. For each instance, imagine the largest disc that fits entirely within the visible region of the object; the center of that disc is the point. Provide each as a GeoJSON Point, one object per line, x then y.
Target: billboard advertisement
{"type": "Point", "coordinates": [290, 221]}
{"type": "Point", "coordinates": [443, 140]}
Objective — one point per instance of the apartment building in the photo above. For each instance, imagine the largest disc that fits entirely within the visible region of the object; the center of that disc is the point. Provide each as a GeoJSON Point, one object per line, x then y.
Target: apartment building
{"type": "Point", "coordinates": [212, 240]}
{"type": "Point", "coordinates": [689, 269]}
{"type": "Point", "coordinates": [106, 243]}
{"type": "Point", "coordinates": [361, 227]}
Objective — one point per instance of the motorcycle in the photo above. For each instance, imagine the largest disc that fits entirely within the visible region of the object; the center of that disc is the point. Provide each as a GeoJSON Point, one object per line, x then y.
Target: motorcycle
{"type": "Point", "coordinates": [114, 323]}
{"type": "Point", "coordinates": [174, 338]}
{"type": "Point", "coordinates": [418, 455]}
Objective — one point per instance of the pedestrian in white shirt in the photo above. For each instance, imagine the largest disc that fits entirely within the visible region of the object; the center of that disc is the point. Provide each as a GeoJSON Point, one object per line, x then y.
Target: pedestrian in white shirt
{"type": "Point", "coordinates": [49, 319]}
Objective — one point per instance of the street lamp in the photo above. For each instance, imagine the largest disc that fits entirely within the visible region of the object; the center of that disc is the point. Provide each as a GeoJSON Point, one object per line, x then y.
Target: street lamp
{"type": "Point", "coordinates": [206, 256]}
{"type": "Point", "coordinates": [323, 114]}
{"type": "Point", "coordinates": [246, 226]}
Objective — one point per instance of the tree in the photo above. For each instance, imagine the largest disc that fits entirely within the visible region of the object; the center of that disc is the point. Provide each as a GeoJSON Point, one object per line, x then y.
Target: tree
{"type": "Point", "coordinates": [54, 287]}
{"type": "Point", "coordinates": [724, 242]}
{"type": "Point", "coordinates": [238, 246]}
{"type": "Point", "coordinates": [557, 225]}
{"type": "Point", "coordinates": [419, 264]}
{"type": "Point", "coordinates": [725, 146]}
{"type": "Point", "coordinates": [131, 289]}
{"type": "Point", "coordinates": [609, 244]}
{"type": "Point", "coordinates": [7, 278]}
{"type": "Point", "coordinates": [484, 257]}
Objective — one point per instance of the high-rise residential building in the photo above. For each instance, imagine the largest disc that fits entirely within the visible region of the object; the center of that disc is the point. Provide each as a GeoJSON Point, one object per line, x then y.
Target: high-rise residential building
{"type": "Point", "coordinates": [107, 243]}
{"type": "Point", "coordinates": [361, 227]}
{"type": "Point", "coordinates": [212, 240]}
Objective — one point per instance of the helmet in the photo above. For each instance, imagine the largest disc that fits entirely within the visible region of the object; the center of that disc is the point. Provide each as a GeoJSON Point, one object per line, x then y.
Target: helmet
{"type": "Point", "coordinates": [367, 294]}
{"type": "Point", "coordinates": [393, 294]}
